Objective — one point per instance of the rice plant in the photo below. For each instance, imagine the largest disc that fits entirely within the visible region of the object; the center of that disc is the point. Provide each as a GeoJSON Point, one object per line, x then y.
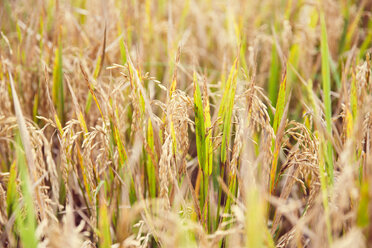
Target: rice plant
{"type": "Point", "coordinates": [224, 123]}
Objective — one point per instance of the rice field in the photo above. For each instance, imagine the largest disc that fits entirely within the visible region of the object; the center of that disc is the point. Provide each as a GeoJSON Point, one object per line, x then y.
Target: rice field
{"type": "Point", "coordinates": [185, 123]}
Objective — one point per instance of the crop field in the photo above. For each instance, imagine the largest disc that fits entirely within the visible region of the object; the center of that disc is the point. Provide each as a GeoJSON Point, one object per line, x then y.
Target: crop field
{"type": "Point", "coordinates": [185, 123]}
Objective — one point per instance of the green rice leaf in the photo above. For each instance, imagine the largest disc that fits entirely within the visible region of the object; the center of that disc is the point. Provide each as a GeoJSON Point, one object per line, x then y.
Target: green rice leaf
{"type": "Point", "coordinates": [326, 80]}
{"type": "Point", "coordinates": [58, 92]}
{"type": "Point", "coordinates": [226, 109]}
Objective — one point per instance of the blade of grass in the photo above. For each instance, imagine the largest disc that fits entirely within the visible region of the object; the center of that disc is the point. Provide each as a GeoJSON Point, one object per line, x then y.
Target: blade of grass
{"type": "Point", "coordinates": [11, 194]}
{"type": "Point", "coordinates": [226, 107]}
{"type": "Point", "coordinates": [25, 137]}
{"type": "Point", "coordinates": [324, 190]}
{"type": "Point", "coordinates": [363, 211]}
{"type": "Point", "coordinates": [225, 114]}
{"type": "Point", "coordinates": [23, 129]}
{"type": "Point", "coordinates": [280, 105]}
{"type": "Point", "coordinates": [203, 143]}
{"type": "Point", "coordinates": [255, 219]}
{"type": "Point", "coordinates": [26, 226]}
{"type": "Point", "coordinates": [200, 134]}
{"type": "Point", "coordinates": [208, 131]}
{"type": "Point", "coordinates": [104, 227]}
{"type": "Point", "coordinates": [58, 92]}
{"type": "Point", "coordinates": [273, 77]}
{"type": "Point", "coordinates": [26, 222]}
{"type": "Point", "coordinates": [326, 80]}
{"type": "Point", "coordinates": [150, 167]}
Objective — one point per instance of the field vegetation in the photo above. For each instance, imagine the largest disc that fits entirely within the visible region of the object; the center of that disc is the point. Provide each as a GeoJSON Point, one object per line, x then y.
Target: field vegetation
{"type": "Point", "coordinates": [185, 123]}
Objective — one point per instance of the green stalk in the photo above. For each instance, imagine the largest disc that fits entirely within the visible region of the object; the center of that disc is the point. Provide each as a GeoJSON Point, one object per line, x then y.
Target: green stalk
{"type": "Point", "coordinates": [326, 79]}
{"type": "Point", "coordinates": [149, 164]}
{"type": "Point", "coordinates": [58, 92]}
{"type": "Point", "coordinates": [203, 144]}
{"type": "Point", "coordinates": [273, 77]}
{"type": "Point", "coordinates": [280, 105]}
